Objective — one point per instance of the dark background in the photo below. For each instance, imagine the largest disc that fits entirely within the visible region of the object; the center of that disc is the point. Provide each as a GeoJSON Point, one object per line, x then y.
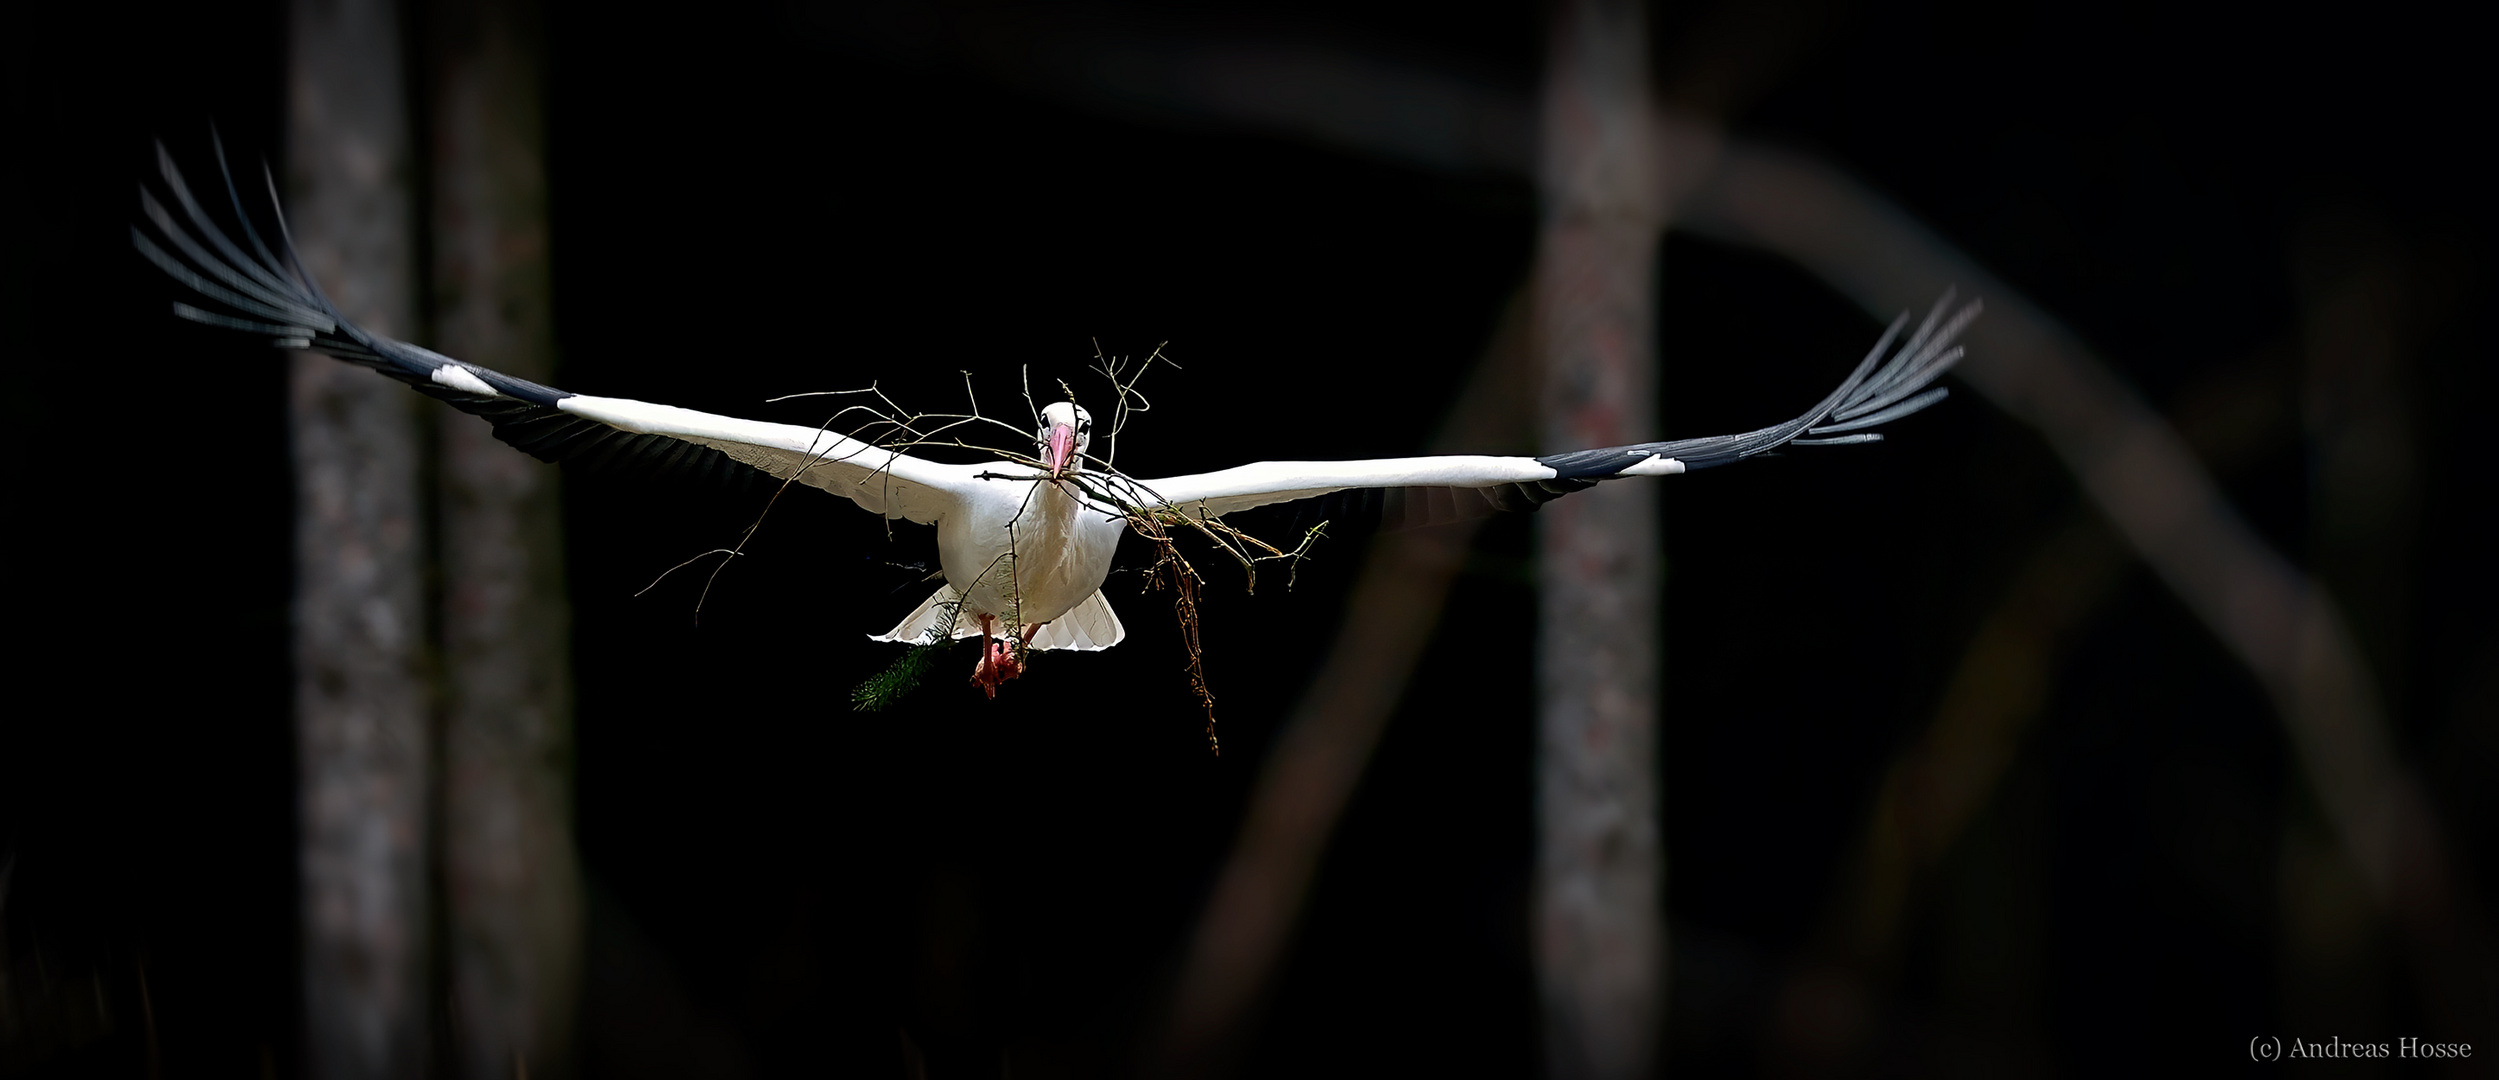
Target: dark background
{"type": "Point", "coordinates": [754, 199]}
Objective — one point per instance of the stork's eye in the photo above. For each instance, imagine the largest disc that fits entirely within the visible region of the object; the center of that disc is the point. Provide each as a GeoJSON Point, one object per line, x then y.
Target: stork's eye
{"type": "Point", "coordinates": [1083, 426]}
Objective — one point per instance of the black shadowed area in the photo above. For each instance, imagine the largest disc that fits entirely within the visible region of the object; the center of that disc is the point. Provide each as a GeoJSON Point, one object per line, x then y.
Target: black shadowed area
{"type": "Point", "coordinates": [1936, 639]}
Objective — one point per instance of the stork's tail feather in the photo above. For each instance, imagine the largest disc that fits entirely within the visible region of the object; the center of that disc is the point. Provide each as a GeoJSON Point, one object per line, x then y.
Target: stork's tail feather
{"type": "Point", "coordinates": [933, 621]}
{"type": "Point", "coordinates": [1091, 626]}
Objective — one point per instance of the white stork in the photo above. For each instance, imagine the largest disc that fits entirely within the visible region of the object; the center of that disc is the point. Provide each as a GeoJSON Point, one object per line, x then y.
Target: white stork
{"type": "Point", "coordinates": [1024, 545]}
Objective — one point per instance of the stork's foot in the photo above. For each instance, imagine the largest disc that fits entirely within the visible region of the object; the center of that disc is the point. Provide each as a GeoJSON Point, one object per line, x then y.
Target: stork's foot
{"type": "Point", "coordinates": [1000, 660]}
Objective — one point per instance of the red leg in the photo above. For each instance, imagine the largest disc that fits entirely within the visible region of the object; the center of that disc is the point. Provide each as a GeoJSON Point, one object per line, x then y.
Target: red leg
{"type": "Point", "coordinates": [1002, 658]}
{"type": "Point", "coordinates": [1009, 660]}
{"type": "Point", "coordinates": [985, 670]}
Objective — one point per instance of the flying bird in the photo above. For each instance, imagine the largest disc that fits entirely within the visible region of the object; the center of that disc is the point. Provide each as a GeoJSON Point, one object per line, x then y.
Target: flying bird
{"type": "Point", "coordinates": [1024, 544]}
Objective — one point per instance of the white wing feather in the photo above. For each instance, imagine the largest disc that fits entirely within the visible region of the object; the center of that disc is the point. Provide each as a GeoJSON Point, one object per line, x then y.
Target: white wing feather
{"type": "Point", "coordinates": [881, 481]}
{"type": "Point", "coordinates": [1261, 483]}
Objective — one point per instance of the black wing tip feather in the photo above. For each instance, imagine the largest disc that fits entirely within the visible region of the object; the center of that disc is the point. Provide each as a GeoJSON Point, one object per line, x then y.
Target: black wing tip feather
{"type": "Point", "coordinates": [1877, 392]}
{"type": "Point", "coordinates": [266, 292]}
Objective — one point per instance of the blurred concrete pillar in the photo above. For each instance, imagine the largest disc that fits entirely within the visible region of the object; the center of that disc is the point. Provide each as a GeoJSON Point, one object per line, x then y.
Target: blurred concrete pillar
{"type": "Point", "coordinates": [361, 698]}
{"type": "Point", "coordinates": [512, 886]}
{"type": "Point", "coordinates": [1599, 937]}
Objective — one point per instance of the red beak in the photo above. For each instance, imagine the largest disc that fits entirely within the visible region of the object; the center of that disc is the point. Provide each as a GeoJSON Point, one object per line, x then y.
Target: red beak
{"type": "Point", "coordinates": [1062, 449]}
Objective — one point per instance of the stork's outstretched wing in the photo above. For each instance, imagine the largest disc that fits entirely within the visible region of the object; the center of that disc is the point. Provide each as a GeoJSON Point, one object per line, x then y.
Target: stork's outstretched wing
{"type": "Point", "coordinates": [267, 292]}
{"type": "Point", "coordinates": [1427, 490]}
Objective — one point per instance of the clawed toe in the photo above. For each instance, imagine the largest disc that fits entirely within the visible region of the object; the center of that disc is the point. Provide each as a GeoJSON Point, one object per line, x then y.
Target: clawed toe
{"type": "Point", "coordinates": [1000, 661]}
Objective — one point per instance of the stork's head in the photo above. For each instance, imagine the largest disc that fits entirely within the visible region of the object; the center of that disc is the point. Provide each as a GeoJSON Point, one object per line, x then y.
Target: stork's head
{"type": "Point", "coordinates": [1065, 433]}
